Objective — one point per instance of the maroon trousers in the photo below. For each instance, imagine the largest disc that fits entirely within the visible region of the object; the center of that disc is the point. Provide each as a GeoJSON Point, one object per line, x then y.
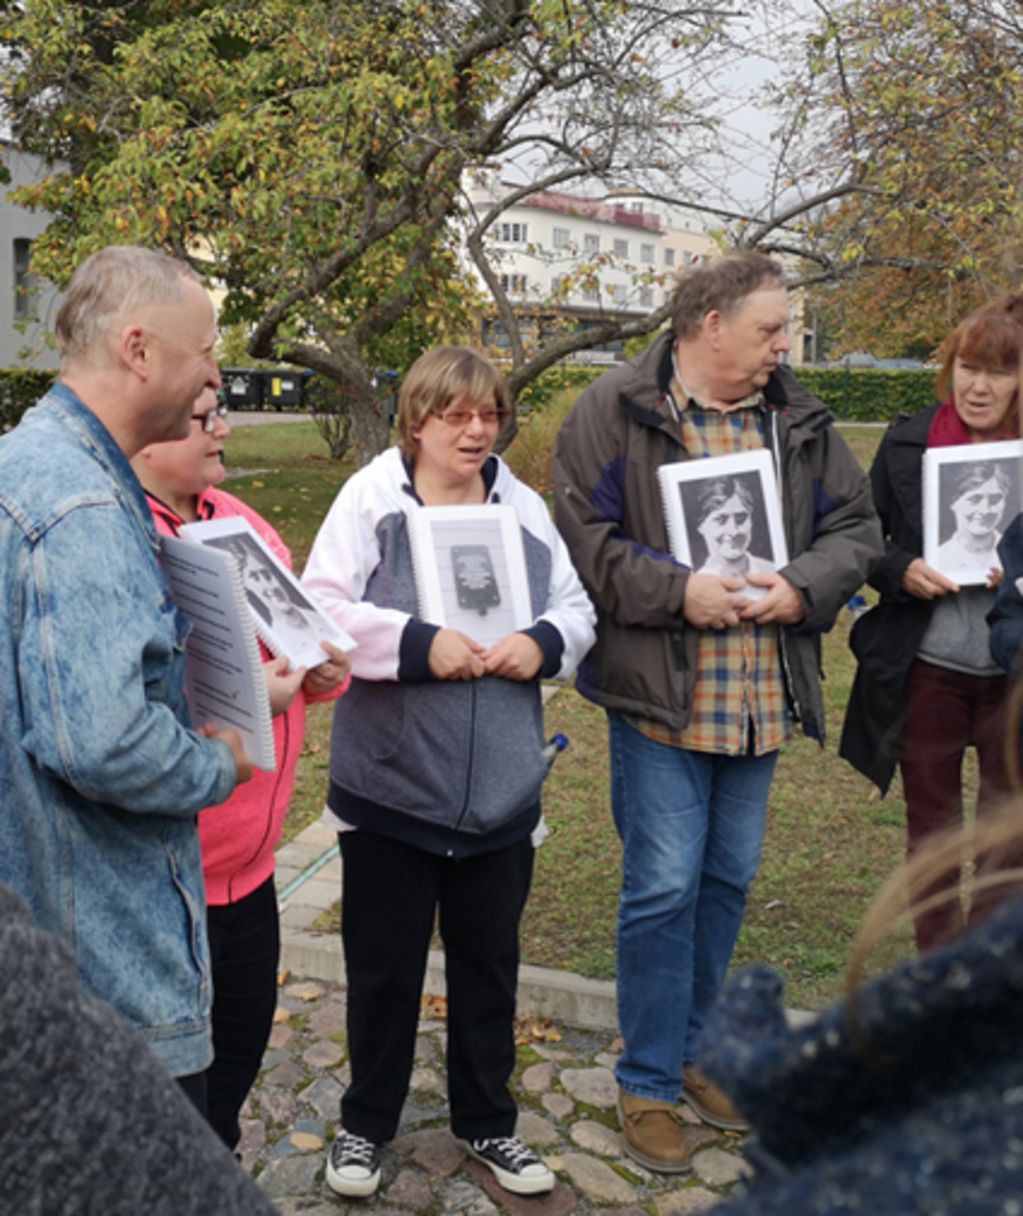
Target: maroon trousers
{"type": "Point", "coordinates": [947, 712]}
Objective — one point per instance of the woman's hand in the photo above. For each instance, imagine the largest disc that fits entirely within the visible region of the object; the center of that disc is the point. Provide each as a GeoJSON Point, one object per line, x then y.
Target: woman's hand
{"type": "Point", "coordinates": [454, 656]}
{"type": "Point", "coordinates": [516, 657]}
{"type": "Point", "coordinates": [281, 684]}
{"type": "Point", "coordinates": [994, 577]}
{"type": "Point", "coordinates": [925, 582]}
{"type": "Point", "coordinates": [326, 676]}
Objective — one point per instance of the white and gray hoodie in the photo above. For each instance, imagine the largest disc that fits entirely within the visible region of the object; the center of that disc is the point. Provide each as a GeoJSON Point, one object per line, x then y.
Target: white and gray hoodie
{"type": "Point", "coordinates": [451, 766]}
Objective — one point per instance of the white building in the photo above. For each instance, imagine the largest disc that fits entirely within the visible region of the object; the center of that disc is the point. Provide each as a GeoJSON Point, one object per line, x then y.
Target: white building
{"type": "Point", "coordinates": [28, 304]}
{"type": "Point", "coordinates": [584, 259]}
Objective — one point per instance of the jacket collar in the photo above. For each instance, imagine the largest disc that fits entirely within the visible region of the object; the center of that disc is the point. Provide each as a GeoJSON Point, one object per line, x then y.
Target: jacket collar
{"type": "Point", "coordinates": [92, 435]}
{"type": "Point", "coordinates": [645, 391]}
{"type": "Point", "coordinates": [205, 508]}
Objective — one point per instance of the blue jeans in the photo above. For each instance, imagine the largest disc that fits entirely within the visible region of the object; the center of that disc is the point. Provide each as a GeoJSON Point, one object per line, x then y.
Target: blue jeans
{"type": "Point", "coordinates": [692, 825]}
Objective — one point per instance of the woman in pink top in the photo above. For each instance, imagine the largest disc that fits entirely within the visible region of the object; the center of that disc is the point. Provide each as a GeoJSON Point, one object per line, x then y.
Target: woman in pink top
{"type": "Point", "coordinates": [239, 836]}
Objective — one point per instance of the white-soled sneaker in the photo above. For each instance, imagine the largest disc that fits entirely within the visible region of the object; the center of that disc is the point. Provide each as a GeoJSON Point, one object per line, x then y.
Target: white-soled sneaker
{"type": "Point", "coordinates": [515, 1166]}
{"type": "Point", "coordinates": [353, 1165]}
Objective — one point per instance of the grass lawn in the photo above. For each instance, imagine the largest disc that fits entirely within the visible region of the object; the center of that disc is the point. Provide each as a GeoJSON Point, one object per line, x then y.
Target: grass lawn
{"type": "Point", "coordinates": [830, 841]}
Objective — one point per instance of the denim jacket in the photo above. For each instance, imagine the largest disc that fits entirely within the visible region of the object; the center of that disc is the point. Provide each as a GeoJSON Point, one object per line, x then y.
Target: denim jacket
{"type": "Point", "coordinates": [100, 777]}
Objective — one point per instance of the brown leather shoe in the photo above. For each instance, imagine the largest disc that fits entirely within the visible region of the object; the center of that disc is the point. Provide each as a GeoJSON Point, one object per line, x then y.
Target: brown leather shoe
{"type": "Point", "coordinates": [653, 1133]}
{"type": "Point", "coordinates": [711, 1103]}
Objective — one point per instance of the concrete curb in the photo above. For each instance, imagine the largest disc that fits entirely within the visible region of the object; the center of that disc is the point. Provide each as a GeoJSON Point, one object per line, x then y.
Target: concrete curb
{"type": "Point", "coordinates": [309, 884]}
{"type": "Point", "coordinates": [560, 996]}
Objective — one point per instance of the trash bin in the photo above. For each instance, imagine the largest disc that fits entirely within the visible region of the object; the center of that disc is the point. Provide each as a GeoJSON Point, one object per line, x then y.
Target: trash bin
{"type": "Point", "coordinates": [241, 388]}
{"type": "Point", "coordinates": [284, 388]}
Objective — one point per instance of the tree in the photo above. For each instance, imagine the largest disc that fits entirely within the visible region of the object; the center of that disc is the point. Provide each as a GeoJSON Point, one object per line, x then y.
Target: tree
{"type": "Point", "coordinates": [309, 156]}
{"type": "Point", "coordinates": [904, 132]}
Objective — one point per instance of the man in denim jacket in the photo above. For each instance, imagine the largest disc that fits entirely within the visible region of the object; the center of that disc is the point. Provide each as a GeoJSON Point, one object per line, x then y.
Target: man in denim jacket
{"type": "Point", "coordinates": [100, 777]}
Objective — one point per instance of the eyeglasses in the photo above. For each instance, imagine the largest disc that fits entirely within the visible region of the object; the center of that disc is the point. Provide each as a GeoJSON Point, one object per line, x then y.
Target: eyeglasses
{"type": "Point", "coordinates": [210, 418]}
{"type": "Point", "coordinates": [458, 416]}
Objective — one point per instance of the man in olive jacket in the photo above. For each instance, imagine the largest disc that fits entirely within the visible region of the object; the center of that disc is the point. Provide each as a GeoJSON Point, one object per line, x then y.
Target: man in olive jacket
{"type": "Point", "coordinates": [701, 679]}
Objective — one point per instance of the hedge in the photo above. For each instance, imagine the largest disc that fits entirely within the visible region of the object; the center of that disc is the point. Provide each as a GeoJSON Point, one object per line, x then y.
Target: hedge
{"type": "Point", "coordinates": [852, 394]}
{"type": "Point", "coordinates": [20, 387]}
{"type": "Point", "coordinates": [868, 395]}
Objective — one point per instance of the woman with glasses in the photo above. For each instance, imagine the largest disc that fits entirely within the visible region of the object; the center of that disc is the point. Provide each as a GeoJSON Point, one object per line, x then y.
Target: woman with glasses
{"type": "Point", "coordinates": [238, 837]}
{"type": "Point", "coordinates": [436, 767]}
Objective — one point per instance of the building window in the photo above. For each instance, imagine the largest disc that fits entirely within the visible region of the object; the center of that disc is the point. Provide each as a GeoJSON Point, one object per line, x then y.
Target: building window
{"type": "Point", "coordinates": [514, 284]}
{"type": "Point", "coordinates": [619, 293]}
{"type": "Point", "coordinates": [646, 253]}
{"type": "Point", "coordinates": [591, 242]}
{"type": "Point", "coordinates": [646, 297]}
{"type": "Point", "coordinates": [669, 257]}
{"type": "Point", "coordinates": [513, 233]}
{"type": "Point", "coordinates": [621, 247]}
{"type": "Point", "coordinates": [561, 237]}
{"type": "Point", "coordinates": [591, 293]}
{"type": "Point", "coordinates": [24, 281]}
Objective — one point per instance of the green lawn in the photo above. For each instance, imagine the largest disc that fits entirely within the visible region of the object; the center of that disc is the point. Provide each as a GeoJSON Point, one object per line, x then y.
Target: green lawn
{"type": "Point", "coordinates": [829, 844]}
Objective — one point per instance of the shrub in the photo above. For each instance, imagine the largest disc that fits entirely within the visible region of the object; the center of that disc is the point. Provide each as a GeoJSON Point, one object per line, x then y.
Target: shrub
{"type": "Point", "coordinates": [868, 394]}
{"type": "Point", "coordinates": [20, 387]}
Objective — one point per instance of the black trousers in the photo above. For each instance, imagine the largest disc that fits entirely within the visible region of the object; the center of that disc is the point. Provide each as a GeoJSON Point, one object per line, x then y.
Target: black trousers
{"type": "Point", "coordinates": [244, 953]}
{"type": "Point", "coordinates": [390, 895]}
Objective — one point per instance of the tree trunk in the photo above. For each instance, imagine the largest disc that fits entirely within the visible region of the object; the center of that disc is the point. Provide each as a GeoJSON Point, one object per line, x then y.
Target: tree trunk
{"type": "Point", "coordinates": [370, 426]}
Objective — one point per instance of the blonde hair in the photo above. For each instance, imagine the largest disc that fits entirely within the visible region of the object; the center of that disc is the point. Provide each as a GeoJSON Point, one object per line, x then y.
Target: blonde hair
{"type": "Point", "coordinates": [111, 285]}
{"type": "Point", "coordinates": [436, 379]}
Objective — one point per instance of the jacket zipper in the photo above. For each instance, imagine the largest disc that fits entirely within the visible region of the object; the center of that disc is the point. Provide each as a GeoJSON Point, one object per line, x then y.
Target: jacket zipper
{"type": "Point", "coordinates": [782, 645]}
{"type": "Point", "coordinates": [468, 770]}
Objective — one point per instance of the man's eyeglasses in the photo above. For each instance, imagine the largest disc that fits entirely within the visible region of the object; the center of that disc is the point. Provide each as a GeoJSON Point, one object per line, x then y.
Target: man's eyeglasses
{"type": "Point", "coordinates": [458, 416]}
{"type": "Point", "coordinates": [210, 418]}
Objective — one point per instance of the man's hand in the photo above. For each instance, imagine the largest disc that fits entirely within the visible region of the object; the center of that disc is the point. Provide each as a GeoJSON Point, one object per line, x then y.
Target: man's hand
{"type": "Point", "coordinates": [453, 656]}
{"type": "Point", "coordinates": [281, 684]}
{"type": "Point", "coordinates": [925, 582]}
{"type": "Point", "coordinates": [711, 601]}
{"type": "Point", "coordinates": [515, 657]}
{"type": "Point", "coordinates": [242, 763]}
{"type": "Point", "coordinates": [326, 676]}
{"type": "Point", "coordinates": [782, 605]}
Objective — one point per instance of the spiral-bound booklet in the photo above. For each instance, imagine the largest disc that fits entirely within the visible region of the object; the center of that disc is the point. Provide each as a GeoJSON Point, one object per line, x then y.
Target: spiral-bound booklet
{"type": "Point", "coordinates": [723, 515]}
{"type": "Point", "coordinates": [287, 620]}
{"type": "Point", "coordinates": [224, 680]}
{"type": "Point", "coordinates": [470, 569]}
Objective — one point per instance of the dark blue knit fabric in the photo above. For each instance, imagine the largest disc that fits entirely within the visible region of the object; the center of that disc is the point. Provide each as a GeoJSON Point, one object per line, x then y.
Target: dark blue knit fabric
{"type": "Point", "coordinates": [910, 1103]}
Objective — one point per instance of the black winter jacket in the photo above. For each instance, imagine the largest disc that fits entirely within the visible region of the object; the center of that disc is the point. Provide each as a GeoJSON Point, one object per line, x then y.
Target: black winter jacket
{"type": "Point", "coordinates": [885, 640]}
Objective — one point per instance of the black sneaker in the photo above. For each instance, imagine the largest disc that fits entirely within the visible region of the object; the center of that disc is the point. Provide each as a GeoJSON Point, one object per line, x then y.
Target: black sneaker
{"type": "Point", "coordinates": [353, 1165]}
{"type": "Point", "coordinates": [515, 1166]}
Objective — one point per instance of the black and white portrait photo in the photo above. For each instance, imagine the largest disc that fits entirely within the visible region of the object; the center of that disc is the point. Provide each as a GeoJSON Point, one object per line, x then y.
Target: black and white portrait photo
{"type": "Point", "coordinates": [970, 497]}
{"type": "Point", "coordinates": [727, 525]}
{"type": "Point", "coordinates": [286, 618]}
{"type": "Point", "coordinates": [723, 515]}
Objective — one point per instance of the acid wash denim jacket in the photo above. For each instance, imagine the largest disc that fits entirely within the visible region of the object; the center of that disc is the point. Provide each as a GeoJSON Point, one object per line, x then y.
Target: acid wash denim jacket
{"type": "Point", "coordinates": [100, 778]}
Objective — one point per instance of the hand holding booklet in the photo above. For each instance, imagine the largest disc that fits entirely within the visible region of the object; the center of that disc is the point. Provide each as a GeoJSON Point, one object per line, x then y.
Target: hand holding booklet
{"type": "Point", "coordinates": [723, 515]}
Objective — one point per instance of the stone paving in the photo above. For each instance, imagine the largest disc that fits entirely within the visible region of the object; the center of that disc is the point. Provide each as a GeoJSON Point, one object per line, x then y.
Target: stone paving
{"type": "Point", "coordinates": [566, 1094]}
{"type": "Point", "coordinates": [563, 1083]}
